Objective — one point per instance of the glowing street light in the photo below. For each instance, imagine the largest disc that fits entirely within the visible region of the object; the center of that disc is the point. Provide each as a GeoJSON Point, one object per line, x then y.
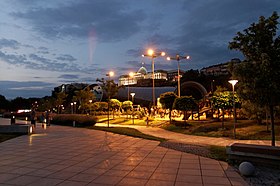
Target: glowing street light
{"type": "Point", "coordinates": [131, 74]}
{"type": "Point", "coordinates": [90, 101]}
{"type": "Point", "coordinates": [72, 108]}
{"type": "Point", "coordinates": [132, 95]}
{"type": "Point", "coordinates": [153, 55]}
{"type": "Point", "coordinates": [178, 58]}
{"type": "Point", "coordinates": [110, 74]}
{"type": "Point", "coordinates": [233, 82]}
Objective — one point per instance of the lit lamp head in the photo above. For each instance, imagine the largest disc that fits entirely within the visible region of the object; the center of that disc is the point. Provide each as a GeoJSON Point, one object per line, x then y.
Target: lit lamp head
{"type": "Point", "coordinates": [111, 73]}
{"type": "Point", "coordinates": [132, 94]}
{"type": "Point", "coordinates": [233, 82]}
{"type": "Point", "coordinates": [150, 52]}
{"type": "Point", "coordinates": [131, 74]}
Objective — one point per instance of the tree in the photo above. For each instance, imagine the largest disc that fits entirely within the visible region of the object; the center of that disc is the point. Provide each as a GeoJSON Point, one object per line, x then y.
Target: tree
{"type": "Point", "coordinates": [127, 106]}
{"type": "Point", "coordinates": [167, 99]}
{"type": "Point", "coordinates": [115, 104]}
{"type": "Point", "coordinates": [222, 99]}
{"type": "Point", "coordinates": [60, 99]}
{"type": "Point", "coordinates": [46, 103]}
{"type": "Point", "coordinates": [185, 103]}
{"type": "Point", "coordinates": [110, 87]}
{"type": "Point", "coordinates": [83, 97]}
{"type": "Point", "coordinates": [259, 73]}
{"type": "Point", "coordinates": [253, 111]}
{"type": "Point", "coordinates": [4, 103]}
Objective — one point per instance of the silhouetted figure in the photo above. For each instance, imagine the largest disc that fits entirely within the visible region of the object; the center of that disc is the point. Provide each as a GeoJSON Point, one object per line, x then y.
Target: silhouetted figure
{"type": "Point", "coordinates": [33, 117]}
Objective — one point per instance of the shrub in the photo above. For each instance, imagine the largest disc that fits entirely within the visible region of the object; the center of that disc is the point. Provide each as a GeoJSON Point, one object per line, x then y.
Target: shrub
{"type": "Point", "coordinates": [80, 120]}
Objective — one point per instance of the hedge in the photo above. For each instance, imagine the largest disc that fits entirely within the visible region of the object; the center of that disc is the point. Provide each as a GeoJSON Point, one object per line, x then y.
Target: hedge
{"type": "Point", "coordinates": [67, 120]}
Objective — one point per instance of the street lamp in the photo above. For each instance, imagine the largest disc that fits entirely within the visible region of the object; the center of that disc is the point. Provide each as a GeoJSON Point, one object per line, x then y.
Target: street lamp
{"type": "Point", "coordinates": [71, 108]}
{"type": "Point", "coordinates": [132, 95]}
{"type": "Point", "coordinates": [75, 103]}
{"type": "Point", "coordinates": [131, 74]}
{"type": "Point", "coordinates": [153, 55]}
{"type": "Point", "coordinates": [233, 82]}
{"type": "Point", "coordinates": [110, 74]}
{"type": "Point", "coordinates": [74, 111]}
{"type": "Point", "coordinates": [90, 101]}
{"type": "Point", "coordinates": [178, 58]}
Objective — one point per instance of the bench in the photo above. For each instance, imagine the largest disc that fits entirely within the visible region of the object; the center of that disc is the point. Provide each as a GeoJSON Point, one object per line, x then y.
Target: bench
{"type": "Point", "coordinates": [258, 154]}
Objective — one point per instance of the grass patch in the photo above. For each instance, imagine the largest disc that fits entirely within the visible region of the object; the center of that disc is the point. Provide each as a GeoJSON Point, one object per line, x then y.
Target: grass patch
{"type": "Point", "coordinates": [218, 152]}
{"type": "Point", "coordinates": [127, 131]}
{"type": "Point", "coordinates": [245, 129]}
{"type": "Point", "coordinates": [5, 137]}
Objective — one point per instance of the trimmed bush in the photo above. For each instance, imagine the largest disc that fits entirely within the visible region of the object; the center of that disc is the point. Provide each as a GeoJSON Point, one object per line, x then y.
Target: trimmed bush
{"type": "Point", "coordinates": [67, 120]}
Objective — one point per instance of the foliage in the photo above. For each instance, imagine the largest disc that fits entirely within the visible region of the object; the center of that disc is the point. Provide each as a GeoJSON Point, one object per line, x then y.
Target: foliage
{"type": "Point", "coordinates": [83, 97]}
{"type": "Point", "coordinates": [127, 105]}
{"type": "Point", "coordinates": [115, 104]}
{"type": "Point", "coordinates": [4, 103]}
{"type": "Point", "coordinates": [110, 87]}
{"type": "Point", "coordinates": [218, 153]}
{"type": "Point", "coordinates": [167, 99]}
{"type": "Point", "coordinates": [253, 111]}
{"type": "Point", "coordinates": [60, 98]}
{"type": "Point", "coordinates": [246, 129]}
{"type": "Point", "coordinates": [185, 103]}
{"type": "Point", "coordinates": [259, 73]}
{"type": "Point", "coordinates": [103, 105]}
{"type": "Point", "coordinates": [129, 132]}
{"type": "Point", "coordinates": [67, 119]}
{"type": "Point", "coordinates": [222, 99]}
{"type": "Point", "coordinates": [46, 103]}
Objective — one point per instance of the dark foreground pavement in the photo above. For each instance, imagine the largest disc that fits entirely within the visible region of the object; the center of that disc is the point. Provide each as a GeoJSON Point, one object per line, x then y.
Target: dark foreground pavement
{"type": "Point", "coordinates": [75, 156]}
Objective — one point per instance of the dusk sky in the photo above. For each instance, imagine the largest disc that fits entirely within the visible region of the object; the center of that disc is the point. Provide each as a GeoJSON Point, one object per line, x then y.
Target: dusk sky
{"type": "Point", "coordinates": [44, 44]}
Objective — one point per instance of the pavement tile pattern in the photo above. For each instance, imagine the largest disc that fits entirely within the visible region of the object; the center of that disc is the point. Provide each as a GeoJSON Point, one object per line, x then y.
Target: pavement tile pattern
{"type": "Point", "coordinates": [75, 156]}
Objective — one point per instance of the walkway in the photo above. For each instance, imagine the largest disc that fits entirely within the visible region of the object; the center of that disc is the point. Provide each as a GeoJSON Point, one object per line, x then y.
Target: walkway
{"type": "Point", "coordinates": [189, 139]}
{"type": "Point", "coordinates": [75, 156]}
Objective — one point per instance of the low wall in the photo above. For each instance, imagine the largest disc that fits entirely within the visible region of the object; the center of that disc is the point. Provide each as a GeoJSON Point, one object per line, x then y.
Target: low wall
{"type": "Point", "coordinates": [18, 129]}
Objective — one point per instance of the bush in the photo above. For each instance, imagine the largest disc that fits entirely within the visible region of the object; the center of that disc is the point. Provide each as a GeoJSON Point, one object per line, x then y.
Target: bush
{"type": "Point", "coordinates": [80, 120]}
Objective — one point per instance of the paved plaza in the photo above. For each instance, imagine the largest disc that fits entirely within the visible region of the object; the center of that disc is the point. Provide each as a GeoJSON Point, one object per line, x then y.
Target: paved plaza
{"type": "Point", "coordinates": [76, 156]}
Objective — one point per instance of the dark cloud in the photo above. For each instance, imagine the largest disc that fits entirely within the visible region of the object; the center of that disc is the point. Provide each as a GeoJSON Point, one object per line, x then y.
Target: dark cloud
{"type": "Point", "coordinates": [13, 59]}
{"type": "Point", "coordinates": [9, 43]}
{"type": "Point", "coordinates": [206, 27]}
{"type": "Point", "coordinates": [12, 89]}
{"type": "Point", "coordinates": [111, 20]}
{"type": "Point", "coordinates": [68, 76]}
{"type": "Point", "coordinates": [66, 57]}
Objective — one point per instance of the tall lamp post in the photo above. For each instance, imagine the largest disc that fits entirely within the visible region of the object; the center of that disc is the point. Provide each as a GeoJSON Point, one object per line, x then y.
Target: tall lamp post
{"type": "Point", "coordinates": [110, 74]}
{"type": "Point", "coordinates": [129, 76]}
{"type": "Point", "coordinates": [233, 82]}
{"type": "Point", "coordinates": [71, 108]}
{"type": "Point", "coordinates": [132, 95]}
{"type": "Point", "coordinates": [90, 101]}
{"type": "Point", "coordinates": [178, 58]}
{"type": "Point", "coordinates": [153, 55]}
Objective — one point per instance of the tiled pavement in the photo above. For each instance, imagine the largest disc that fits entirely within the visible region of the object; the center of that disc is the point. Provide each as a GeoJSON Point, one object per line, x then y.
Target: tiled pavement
{"type": "Point", "coordinates": [75, 156]}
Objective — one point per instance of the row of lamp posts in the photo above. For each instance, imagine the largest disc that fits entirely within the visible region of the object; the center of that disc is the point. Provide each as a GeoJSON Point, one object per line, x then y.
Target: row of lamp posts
{"type": "Point", "coordinates": [153, 55]}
